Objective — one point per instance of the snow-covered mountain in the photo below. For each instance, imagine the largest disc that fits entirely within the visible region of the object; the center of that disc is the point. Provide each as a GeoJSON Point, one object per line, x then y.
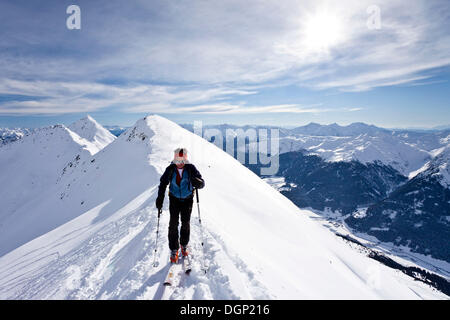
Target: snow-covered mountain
{"type": "Point", "coordinates": [367, 182]}
{"type": "Point", "coordinates": [365, 148]}
{"type": "Point", "coordinates": [439, 167]}
{"type": "Point", "coordinates": [258, 243]}
{"type": "Point", "coordinates": [93, 132]}
{"type": "Point", "coordinates": [311, 182]}
{"type": "Point", "coordinates": [32, 167]}
{"type": "Point", "coordinates": [10, 135]}
{"type": "Point", "coordinates": [335, 130]}
{"type": "Point", "coordinates": [417, 214]}
{"type": "Point", "coordinates": [406, 151]}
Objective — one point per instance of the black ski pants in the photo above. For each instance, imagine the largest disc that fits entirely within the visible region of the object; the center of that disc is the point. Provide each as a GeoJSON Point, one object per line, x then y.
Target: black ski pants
{"type": "Point", "coordinates": [179, 209]}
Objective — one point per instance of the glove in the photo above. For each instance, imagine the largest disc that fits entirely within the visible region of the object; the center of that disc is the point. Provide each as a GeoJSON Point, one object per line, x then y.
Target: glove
{"type": "Point", "coordinates": [198, 183]}
{"type": "Point", "coordinates": [159, 203]}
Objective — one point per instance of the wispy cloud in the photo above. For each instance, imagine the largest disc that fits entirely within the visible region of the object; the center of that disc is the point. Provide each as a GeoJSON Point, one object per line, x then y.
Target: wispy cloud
{"type": "Point", "coordinates": [207, 55]}
{"type": "Point", "coordinates": [245, 109]}
{"type": "Point", "coordinates": [407, 48]}
{"type": "Point", "coordinates": [64, 97]}
{"type": "Point", "coordinates": [45, 97]}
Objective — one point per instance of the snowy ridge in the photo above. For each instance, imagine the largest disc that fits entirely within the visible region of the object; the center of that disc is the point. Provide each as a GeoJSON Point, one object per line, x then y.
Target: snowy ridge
{"type": "Point", "coordinates": [335, 130]}
{"type": "Point", "coordinates": [365, 148]}
{"type": "Point", "coordinates": [259, 245]}
{"type": "Point", "coordinates": [93, 132]}
{"type": "Point", "coordinates": [437, 167]}
{"type": "Point", "coordinates": [440, 167]}
{"type": "Point", "coordinates": [33, 166]}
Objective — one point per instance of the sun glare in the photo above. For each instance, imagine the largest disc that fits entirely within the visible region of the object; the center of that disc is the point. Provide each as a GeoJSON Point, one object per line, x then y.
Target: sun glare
{"type": "Point", "coordinates": [322, 31]}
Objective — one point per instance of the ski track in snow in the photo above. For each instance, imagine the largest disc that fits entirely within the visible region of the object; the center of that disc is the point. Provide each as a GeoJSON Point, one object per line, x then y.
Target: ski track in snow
{"type": "Point", "coordinates": [116, 263]}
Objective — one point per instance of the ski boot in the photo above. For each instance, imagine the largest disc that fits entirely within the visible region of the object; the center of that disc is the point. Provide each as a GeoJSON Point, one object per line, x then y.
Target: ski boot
{"type": "Point", "coordinates": [174, 256]}
{"type": "Point", "coordinates": [184, 251]}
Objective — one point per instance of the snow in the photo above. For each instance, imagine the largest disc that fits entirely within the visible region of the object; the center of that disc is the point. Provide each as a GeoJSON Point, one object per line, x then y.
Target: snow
{"type": "Point", "coordinates": [391, 213]}
{"type": "Point", "coordinates": [405, 151]}
{"type": "Point", "coordinates": [443, 160]}
{"type": "Point", "coordinates": [399, 253]}
{"type": "Point", "coordinates": [366, 148]}
{"type": "Point", "coordinates": [379, 229]}
{"type": "Point", "coordinates": [279, 183]}
{"type": "Point", "coordinates": [360, 213]}
{"type": "Point", "coordinates": [418, 171]}
{"type": "Point", "coordinates": [439, 166]}
{"type": "Point", "coordinates": [445, 140]}
{"type": "Point", "coordinates": [385, 148]}
{"type": "Point", "coordinates": [9, 135]}
{"type": "Point", "coordinates": [31, 169]}
{"type": "Point", "coordinates": [93, 132]}
{"type": "Point", "coordinates": [275, 182]}
{"type": "Point", "coordinates": [97, 230]}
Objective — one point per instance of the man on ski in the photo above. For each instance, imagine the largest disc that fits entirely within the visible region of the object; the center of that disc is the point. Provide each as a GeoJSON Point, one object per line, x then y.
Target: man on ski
{"type": "Point", "coordinates": [183, 178]}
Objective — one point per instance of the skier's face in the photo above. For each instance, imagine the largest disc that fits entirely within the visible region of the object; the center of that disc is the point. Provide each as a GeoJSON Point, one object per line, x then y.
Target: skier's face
{"type": "Point", "coordinates": [180, 165]}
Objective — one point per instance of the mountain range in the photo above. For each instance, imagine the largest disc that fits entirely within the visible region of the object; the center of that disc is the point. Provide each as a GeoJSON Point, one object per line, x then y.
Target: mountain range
{"type": "Point", "coordinates": [374, 199]}
{"type": "Point", "coordinates": [78, 222]}
{"type": "Point", "coordinates": [416, 214]}
{"type": "Point", "coordinates": [393, 185]}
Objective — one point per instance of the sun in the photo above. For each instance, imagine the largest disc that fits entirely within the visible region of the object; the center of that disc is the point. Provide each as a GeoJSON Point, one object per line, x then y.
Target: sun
{"type": "Point", "coordinates": [321, 31]}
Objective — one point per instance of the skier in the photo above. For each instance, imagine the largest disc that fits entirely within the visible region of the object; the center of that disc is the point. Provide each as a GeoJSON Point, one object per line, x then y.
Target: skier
{"type": "Point", "coordinates": [183, 178]}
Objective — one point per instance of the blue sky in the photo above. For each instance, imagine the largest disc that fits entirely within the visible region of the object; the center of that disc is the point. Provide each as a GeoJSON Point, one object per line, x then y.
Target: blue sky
{"type": "Point", "coordinates": [268, 62]}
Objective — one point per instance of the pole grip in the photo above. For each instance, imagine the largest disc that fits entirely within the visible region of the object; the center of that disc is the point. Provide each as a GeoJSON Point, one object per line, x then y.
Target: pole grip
{"type": "Point", "coordinates": [196, 192]}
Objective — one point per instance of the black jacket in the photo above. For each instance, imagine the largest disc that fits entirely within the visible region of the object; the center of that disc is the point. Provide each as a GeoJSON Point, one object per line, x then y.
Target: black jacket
{"type": "Point", "coordinates": [195, 178]}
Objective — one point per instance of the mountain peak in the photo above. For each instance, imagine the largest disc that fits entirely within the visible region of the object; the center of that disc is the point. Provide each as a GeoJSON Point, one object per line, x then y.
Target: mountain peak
{"type": "Point", "coordinates": [88, 118]}
{"type": "Point", "coordinates": [86, 122]}
{"type": "Point", "coordinates": [88, 128]}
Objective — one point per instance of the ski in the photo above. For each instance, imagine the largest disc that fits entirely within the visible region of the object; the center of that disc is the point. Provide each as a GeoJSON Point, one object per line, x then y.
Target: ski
{"type": "Point", "coordinates": [171, 274]}
{"type": "Point", "coordinates": [184, 263]}
{"type": "Point", "coordinates": [187, 264]}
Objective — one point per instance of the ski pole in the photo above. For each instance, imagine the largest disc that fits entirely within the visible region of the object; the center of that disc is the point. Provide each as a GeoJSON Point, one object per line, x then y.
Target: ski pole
{"type": "Point", "coordinates": [155, 263]}
{"type": "Point", "coordinates": [201, 230]}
